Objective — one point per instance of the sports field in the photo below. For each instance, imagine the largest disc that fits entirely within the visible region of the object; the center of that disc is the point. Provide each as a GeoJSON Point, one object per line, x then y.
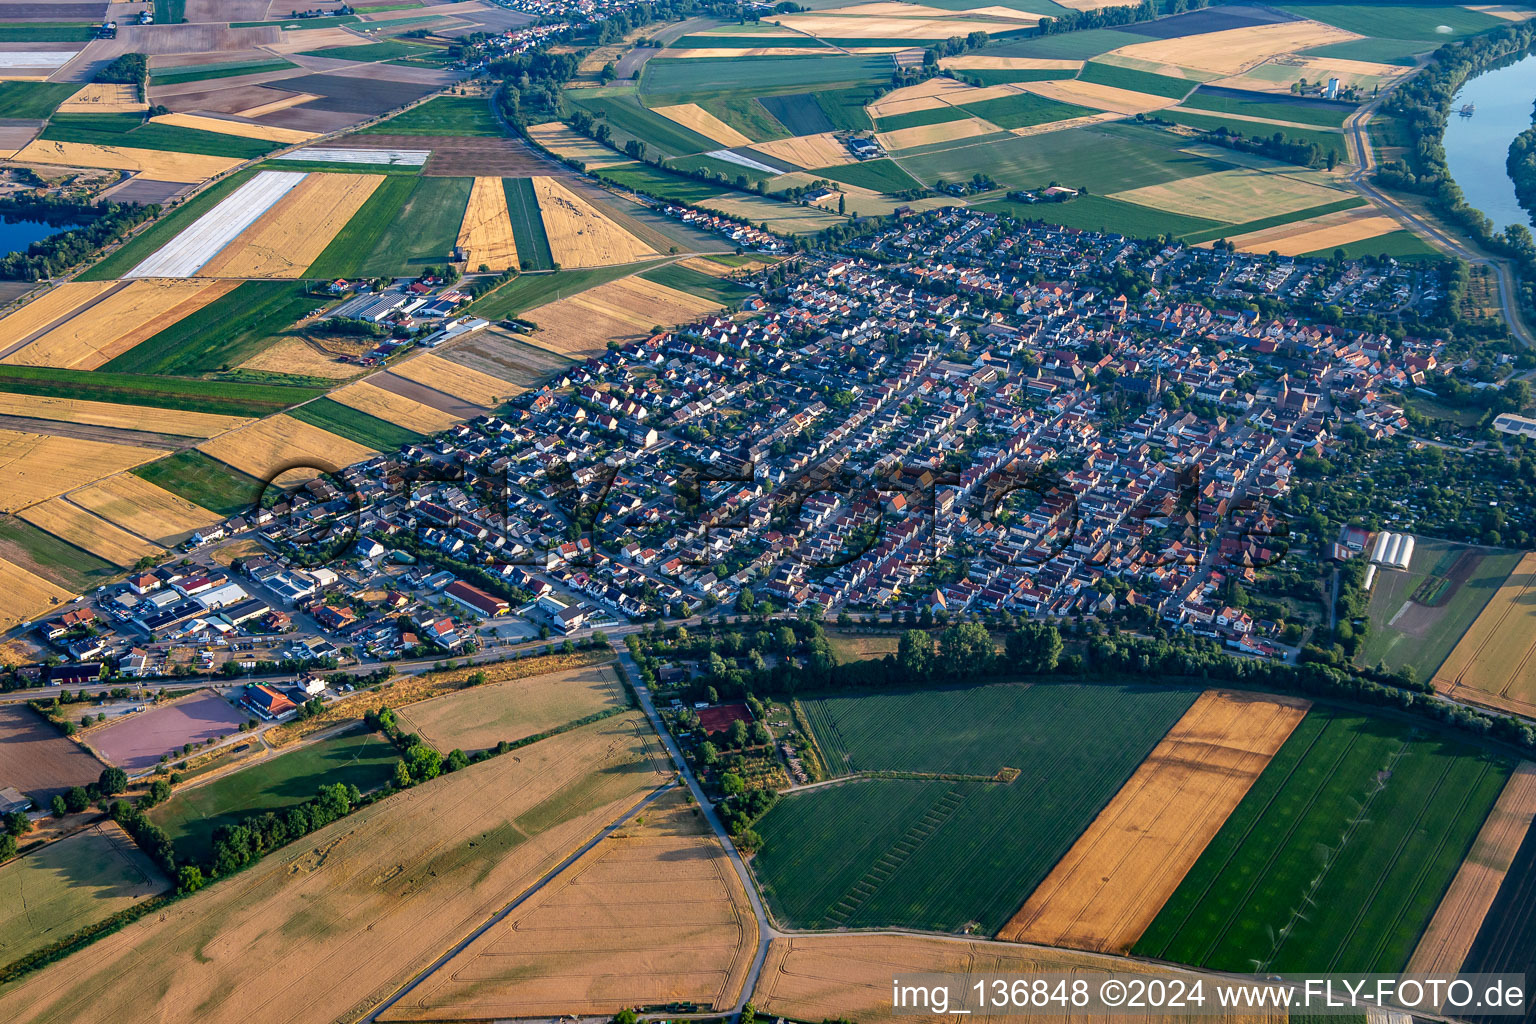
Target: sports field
{"type": "Point", "coordinates": [1339, 854]}
{"type": "Point", "coordinates": [136, 742]}
{"type": "Point", "coordinates": [484, 715]}
{"type": "Point", "coordinates": [70, 885]}
{"type": "Point", "coordinates": [423, 868]}
{"type": "Point", "coordinates": [360, 758]}
{"type": "Point", "coordinates": [1024, 769]}
{"type": "Point", "coordinates": [1418, 616]}
{"type": "Point", "coordinates": [1495, 661]}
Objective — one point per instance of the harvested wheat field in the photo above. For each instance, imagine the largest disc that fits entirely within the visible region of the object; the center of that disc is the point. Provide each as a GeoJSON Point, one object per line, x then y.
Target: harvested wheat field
{"type": "Point", "coordinates": [1099, 97]}
{"type": "Point", "coordinates": [393, 408]}
{"type": "Point", "coordinates": [653, 914]}
{"type": "Point", "coordinates": [935, 92]}
{"type": "Point", "coordinates": [560, 140]}
{"type": "Point", "coordinates": [273, 106]}
{"type": "Point", "coordinates": [459, 381]}
{"type": "Point", "coordinates": [580, 236]}
{"type": "Point", "coordinates": [728, 53]}
{"type": "Point", "coordinates": [104, 98]}
{"type": "Point", "coordinates": [110, 326]}
{"type": "Point", "coordinates": [1326, 232]}
{"type": "Point", "coordinates": [48, 308]}
{"type": "Point", "coordinates": [244, 129]}
{"type": "Point", "coordinates": [831, 977]}
{"type": "Point", "coordinates": [138, 506]}
{"type": "Point", "coordinates": [928, 134]}
{"type": "Point", "coordinates": [1061, 126]}
{"type": "Point", "coordinates": [298, 227]}
{"type": "Point", "coordinates": [122, 417]}
{"type": "Point", "coordinates": [1110, 885]}
{"type": "Point", "coordinates": [1445, 943]}
{"type": "Point", "coordinates": [840, 25]}
{"type": "Point", "coordinates": [513, 709]}
{"type": "Point", "coordinates": [977, 62]}
{"type": "Point", "coordinates": [1234, 196]}
{"type": "Point", "coordinates": [278, 442]}
{"type": "Point", "coordinates": [696, 118]}
{"type": "Point", "coordinates": [422, 868]}
{"type": "Point", "coordinates": [35, 467]}
{"type": "Point", "coordinates": [820, 150]}
{"type": "Point", "coordinates": [297, 356]}
{"type": "Point", "coordinates": [151, 163]}
{"type": "Point", "coordinates": [1277, 75]}
{"type": "Point", "coordinates": [1495, 661]}
{"type": "Point", "coordinates": [84, 530]}
{"type": "Point", "coordinates": [27, 596]}
{"type": "Point", "coordinates": [485, 236]}
{"type": "Point", "coordinates": [1235, 50]}
{"type": "Point", "coordinates": [620, 310]}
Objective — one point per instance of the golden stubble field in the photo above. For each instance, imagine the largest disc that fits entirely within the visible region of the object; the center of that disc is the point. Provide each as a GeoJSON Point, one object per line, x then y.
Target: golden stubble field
{"type": "Point", "coordinates": [122, 417]}
{"type": "Point", "coordinates": [580, 236]}
{"type": "Point", "coordinates": [485, 715]}
{"type": "Point", "coordinates": [1233, 51]}
{"type": "Point", "coordinates": [653, 914]}
{"type": "Point", "coordinates": [140, 507]}
{"type": "Point", "coordinates": [820, 150]}
{"type": "Point", "coordinates": [84, 530]}
{"type": "Point", "coordinates": [154, 164]}
{"type": "Point", "coordinates": [327, 927]}
{"type": "Point", "coordinates": [621, 310]}
{"type": "Point", "coordinates": [295, 231]}
{"type": "Point", "coordinates": [831, 977]}
{"type": "Point", "coordinates": [485, 234]}
{"type": "Point", "coordinates": [1495, 662]}
{"type": "Point", "coordinates": [27, 595]}
{"type": "Point", "coordinates": [1444, 946]}
{"type": "Point", "coordinates": [559, 139]}
{"type": "Point", "coordinates": [459, 381]}
{"type": "Point", "coordinates": [696, 118]}
{"type": "Point", "coordinates": [279, 442]}
{"type": "Point", "coordinates": [35, 467]}
{"type": "Point", "coordinates": [101, 329]}
{"type": "Point", "coordinates": [1110, 885]}
{"type": "Point", "coordinates": [393, 408]}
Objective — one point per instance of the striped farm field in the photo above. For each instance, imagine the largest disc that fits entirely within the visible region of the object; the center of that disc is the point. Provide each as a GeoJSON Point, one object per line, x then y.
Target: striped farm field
{"type": "Point", "coordinates": [35, 467]}
{"type": "Point", "coordinates": [124, 417]}
{"type": "Point", "coordinates": [294, 231]}
{"type": "Point", "coordinates": [1233, 51]}
{"type": "Point", "coordinates": [1102, 895]}
{"type": "Point", "coordinates": [580, 236]}
{"type": "Point", "coordinates": [89, 532]}
{"type": "Point", "coordinates": [51, 306]}
{"type": "Point", "coordinates": [1236, 195]}
{"type": "Point", "coordinates": [823, 149]}
{"type": "Point", "coordinates": [114, 323]}
{"type": "Point", "coordinates": [136, 505]}
{"type": "Point", "coordinates": [393, 408]}
{"type": "Point", "coordinates": [999, 782]}
{"type": "Point", "coordinates": [158, 165]}
{"type": "Point", "coordinates": [1461, 914]}
{"type": "Point", "coordinates": [1495, 661]}
{"type": "Point", "coordinates": [459, 381]}
{"type": "Point", "coordinates": [27, 595]}
{"type": "Point", "coordinates": [202, 481]}
{"type": "Point", "coordinates": [355, 425]}
{"type": "Point", "coordinates": [696, 118]}
{"type": "Point", "coordinates": [622, 310]}
{"type": "Point", "coordinates": [527, 224]}
{"type": "Point", "coordinates": [1337, 857]}
{"type": "Point", "coordinates": [567, 144]}
{"type": "Point", "coordinates": [270, 446]}
{"type": "Point", "coordinates": [485, 235]}
{"type": "Point", "coordinates": [203, 239]}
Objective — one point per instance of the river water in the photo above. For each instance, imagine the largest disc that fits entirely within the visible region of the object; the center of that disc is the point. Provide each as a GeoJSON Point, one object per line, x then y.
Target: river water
{"type": "Point", "coordinates": [1476, 146]}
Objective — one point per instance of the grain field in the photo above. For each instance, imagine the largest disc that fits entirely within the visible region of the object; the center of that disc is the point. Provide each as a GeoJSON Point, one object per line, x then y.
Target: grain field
{"type": "Point", "coordinates": [35, 467]}
{"type": "Point", "coordinates": [82, 529]}
{"type": "Point", "coordinates": [459, 381]}
{"type": "Point", "coordinates": [138, 506]}
{"type": "Point", "coordinates": [115, 323]}
{"type": "Point", "coordinates": [393, 408]}
{"type": "Point", "coordinates": [27, 595]}
{"type": "Point", "coordinates": [298, 227]}
{"type": "Point", "coordinates": [279, 443]}
{"type": "Point", "coordinates": [580, 236]}
{"type": "Point", "coordinates": [485, 236]}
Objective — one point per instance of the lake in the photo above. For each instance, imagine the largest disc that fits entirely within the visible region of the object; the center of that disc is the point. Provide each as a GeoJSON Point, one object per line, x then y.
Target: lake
{"type": "Point", "coordinates": [1476, 146]}
{"type": "Point", "coordinates": [16, 235]}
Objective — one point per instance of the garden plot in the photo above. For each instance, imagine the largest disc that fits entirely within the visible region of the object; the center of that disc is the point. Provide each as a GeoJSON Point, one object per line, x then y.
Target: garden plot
{"type": "Point", "coordinates": [339, 155]}
{"type": "Point", "coordinates": [89, 533]}
{"type": "Point", "coordinates": [140, 507]}
{"type": "Point", "coordinates": [580, 236]}
{"type": "Point", "coordinates": [35, 467]}
{"type": "Point", "coordinates": [485, 236]}
{"type": "Point", "coordinates": [205, 237]}
{"type": "Point", "coordinates": [27, 596]}
{"type": "Point", "coordinates": [161, 165]}
{"type": "Point", "coordinates": [696, 118]}
{"type": "Point", "coordinates": [115, 323]}
{"type": "Point", "coordinates": [295, 230]}
{"type": "Point", "coordinates": [242, 129]}
{"type": "Point", "coordinates": [285, 445]}
{"type": "Point", "coordinates": [1236, 196]}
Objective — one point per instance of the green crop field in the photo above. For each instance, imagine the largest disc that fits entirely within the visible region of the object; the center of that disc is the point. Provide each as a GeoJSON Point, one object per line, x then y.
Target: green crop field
{"type": "Point", "coordinates": [1319, 113]}
{"type": "Point", "coordinates": [668, 75]}
{"type": "Point", "coordinates": [222, 334]}
{"type": "Point", "coordinates": [696, 282]}
{"type": "Point", "coordinates": [362, 759]}
{"type": "Point", "coordinates": [443, 115]}
{"type": "Point", "coordinates": [1025, 109]}
{"type": "Point", "coordinates": [1074, 157]}
{"type": "Point", "coordinates": [1399, 21]}
{"type": "Point", "coordinates": [659, 182]}
{"type": "Point", "coordinates": [147, 241]}
{"type": "Point", "coordinates": [530, 291]}
{"type": "Point", "coordinates": [746, 114]}
{"type": "Point", "coordinates": [69, 885]}
{"type": "Point", "coordinates": [1067, 45]}
{"type": "Point", "coordinates": [97, 130]}
{"type": "Point", "coordinates": [186, 393]}
{"type": "Point", "coordinates": [946, 853]}
{"type": "Point", "coordinates": [228, 69]}
{"type": "Point", "coordinates": [388, 49]}
{"type": "Point", "coordinates": [1337, 857]}
{"type": "Point", "coordinates": [527, 224]}
{"type": "Point", "coordinates": [1233, 230]}
{"type": "Point", "coordinates": [33, 100]}
{"type": "Point", "coordinates": [1101, 213]}
{"type": "Point", "coordinates": [880, 175]}
{"type": "Point", "coordinates": [408, 223]}
{"type": "Point", "coordinates": [47, 32]}
{"type": "Point", "coordinates": [625, 114]}
{"type": "Point", "coordinates": [355, 425]}
{"type": "Point", "coordinates": [1424, 637]}
{"type": "Point", "coordinates": [1379, 51]}
{"type": "Point", "coordinates": [203, 481]}
{"type": "Point", "coordinates": [1328, 142]}
{"type": "Point", "coordinates": [1135, 81]}
{"type": "Point", "coordinates": [917, 118]}
{"type": "Point", "coordinates": [72, 567]}
{"type": "Point", "coordinates": [1400, 245]}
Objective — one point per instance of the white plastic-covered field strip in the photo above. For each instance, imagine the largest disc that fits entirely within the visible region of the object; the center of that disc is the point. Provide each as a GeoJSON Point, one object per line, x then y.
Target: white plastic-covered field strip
{"type": "Point", "coordinates": [742, 161]}
{"type": "Point", "coordinates": [201, 240]}
{"type": "Point", "coordinates": [37, 58]}
{"type": "Point", "coordinates": [322, 154]}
